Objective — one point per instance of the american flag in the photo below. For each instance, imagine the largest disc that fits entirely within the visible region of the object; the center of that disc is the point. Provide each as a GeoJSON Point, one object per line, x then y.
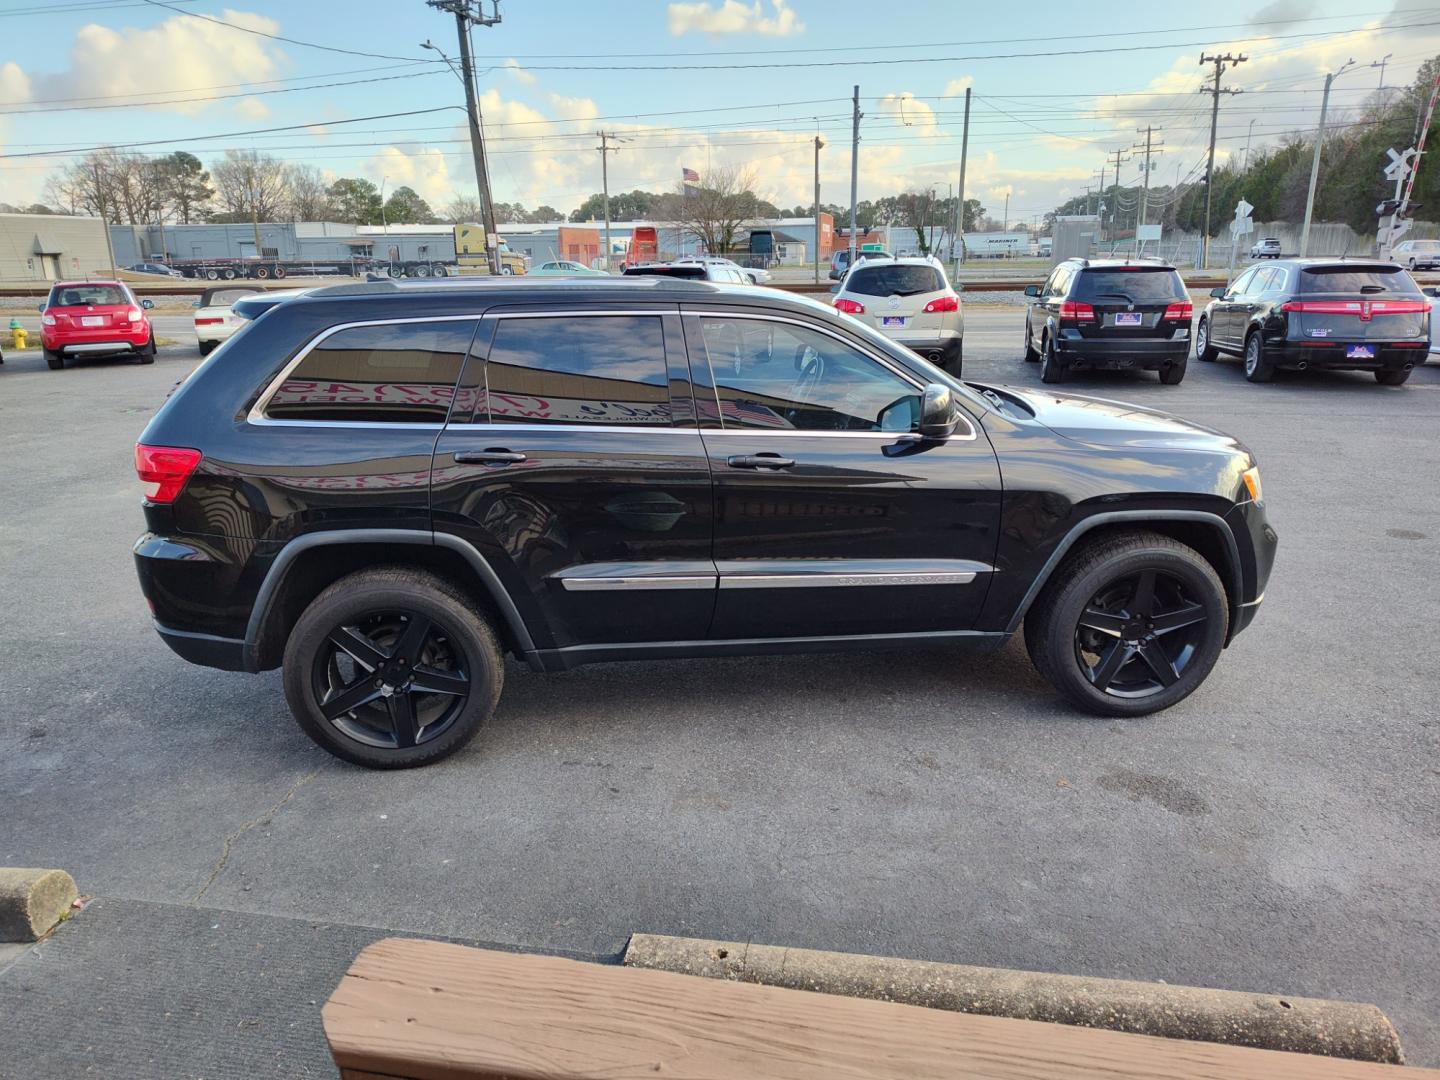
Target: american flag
{"type": "Point", "coordinates": [690, 176]}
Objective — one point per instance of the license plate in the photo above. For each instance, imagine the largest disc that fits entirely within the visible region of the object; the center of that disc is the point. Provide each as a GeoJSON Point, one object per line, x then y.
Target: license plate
{"type": "Point", "coordinates": [892, 320]}
{"type": "Point", "coordinates": [1128, 318]}
{"type": "Point", "coordinates": [1360, 352]}
{"type": "Point", "coordinates": [92, 320]}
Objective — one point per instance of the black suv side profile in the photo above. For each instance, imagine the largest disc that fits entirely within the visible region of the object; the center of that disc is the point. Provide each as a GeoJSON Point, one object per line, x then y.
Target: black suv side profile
{"type": "Point", "coordinates": [386, 488]}
{"type": "Point", "coordinates": [1109, 314]}
{"type": "Point", "coordinates": [1355, 315]}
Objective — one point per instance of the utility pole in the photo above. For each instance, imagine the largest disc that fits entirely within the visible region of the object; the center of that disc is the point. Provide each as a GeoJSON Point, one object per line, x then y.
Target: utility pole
{"type": "Point", "coordinates": [467, 12]}
{"type": "Point", "coordinates": [819, 144]}
{"type": "Point", "coordinates": [1214, 92]}
{"type": "Point", "coordinates": [1151, 147]}
{"type": "Point", "coordinates": [1005, 222]}
{"type": "Point", "coordinates": [104, 216]}
{"type": "Point", "coordinates": [854, 170]}
{"type": "Point", "coordinates": [1117, 155]}
{"type": "Point", "coordinates": [605, 151]}
{"type": "Point", "coordinates": [1315, 159]}
{"type": "Point", "coordinates": [960, 203]}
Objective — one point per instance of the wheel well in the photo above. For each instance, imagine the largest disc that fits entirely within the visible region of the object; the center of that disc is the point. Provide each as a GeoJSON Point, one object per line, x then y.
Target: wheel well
{"type": "Point", "coordinates": [317, 568]}
{"type": "Point", "coordinates": [1202, 536]}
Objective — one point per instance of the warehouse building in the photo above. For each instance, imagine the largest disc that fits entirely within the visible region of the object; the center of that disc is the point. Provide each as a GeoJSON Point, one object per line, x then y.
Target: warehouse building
{"type": "Point", "coordinates": [48, 247]}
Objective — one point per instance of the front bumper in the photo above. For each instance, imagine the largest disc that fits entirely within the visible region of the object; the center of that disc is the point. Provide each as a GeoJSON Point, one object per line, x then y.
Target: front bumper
{"type": "Point", "coordinates": [1256, 542]}
{"type": "Point", "coordinates": [1117, 353]}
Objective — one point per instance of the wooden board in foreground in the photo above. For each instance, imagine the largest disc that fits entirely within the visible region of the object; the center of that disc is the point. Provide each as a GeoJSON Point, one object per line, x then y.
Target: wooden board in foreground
{"type": "Point", "coordinates": [426, 1010]}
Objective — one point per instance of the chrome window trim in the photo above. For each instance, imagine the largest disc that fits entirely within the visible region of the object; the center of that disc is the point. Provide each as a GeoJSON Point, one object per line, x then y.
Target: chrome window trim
{"type": "Point", "coordinates": [885, 362]}
{"type": "Point", "coordinates": [257, 416]}
{"type": "Point", "coordinates": [617, 429]}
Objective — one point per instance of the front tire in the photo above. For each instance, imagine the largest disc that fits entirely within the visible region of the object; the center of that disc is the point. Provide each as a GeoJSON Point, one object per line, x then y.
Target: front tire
{"type": "Point", "coordinates": [1204, 348]}
{"type": "Point", "coordinates": [1258, 369]}
{"type": "Point", "coordinates": [1391, 378]}
{"type": "Point", "coordinates": [1032, 355]}
{"type": "Point", "coordinates": [1130, 623]}
{"type": "Point", "coordinates": [391, 668]}
{"type": "Point", "coordinates": [1051, 369]}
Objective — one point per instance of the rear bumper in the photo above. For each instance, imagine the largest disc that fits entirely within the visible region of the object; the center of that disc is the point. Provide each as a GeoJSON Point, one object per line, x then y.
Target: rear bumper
{"type": "Point", "coordinates": [1120, 353]}
{"type": "Point", "coordinates": [207, 650]}
{"type": "Point", "coordinates": [108, 339]}
{"type": "Point", "coordinates": [1302, 355]}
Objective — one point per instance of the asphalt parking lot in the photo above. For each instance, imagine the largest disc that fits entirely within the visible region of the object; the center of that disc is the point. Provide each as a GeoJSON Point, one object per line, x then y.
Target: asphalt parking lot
{"type": "Point", "coordinates": [1277, 831]}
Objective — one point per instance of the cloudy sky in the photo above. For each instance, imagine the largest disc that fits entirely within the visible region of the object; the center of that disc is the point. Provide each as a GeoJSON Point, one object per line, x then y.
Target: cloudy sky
{"type": "Point", "coordinates": [689, 84]}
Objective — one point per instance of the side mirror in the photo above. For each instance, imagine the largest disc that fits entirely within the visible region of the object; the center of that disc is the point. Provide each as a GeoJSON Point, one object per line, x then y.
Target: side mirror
{"type": "Point", "coordinates": [1431, 290]}
{"type": "Point", "coordinates": [1218, 292]}
{"type": "Point", "coordinates": [959, 287]}
{"type": "Point", "coordinates": [835, 288]}
{"type": "Point", "coordinates": [147, 304]}
{"type": "Point", "coordinates": [195, 303]}
{"type": "Point", "coordinates": [938, 412]}
{"type": "Point", "coordinates": [40, 308]}
{"type": "Point", "coordinates": [1032, 290]}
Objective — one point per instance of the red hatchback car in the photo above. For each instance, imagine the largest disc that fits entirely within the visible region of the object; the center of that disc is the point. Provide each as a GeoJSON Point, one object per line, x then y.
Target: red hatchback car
{"type": "Point", "coordinates": [87, 318]}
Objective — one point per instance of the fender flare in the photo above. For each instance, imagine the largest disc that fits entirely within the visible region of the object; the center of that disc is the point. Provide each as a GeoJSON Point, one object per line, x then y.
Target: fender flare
{"type": "Point", "coordinates": [275, 576]}
{"type": "Point", "coordinates": [1235, 584]}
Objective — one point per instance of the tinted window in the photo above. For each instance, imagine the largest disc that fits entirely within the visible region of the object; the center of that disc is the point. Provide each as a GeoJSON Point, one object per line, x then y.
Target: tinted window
{"type": "Point", "coordinates": [1355, 279]}
{"type": "Point", "coordinates": [394, 373]}
{"type": "Point", "coordinates": [1243, 283]}
{"type": "Point", "coordinates": [892, 280]}
{"type": "Point", "coordinates": [778, 376]}
{"type": "Point", "coordinates": [591, 369]}
{"type": "Point", "coordinates": [224, 297]}
{"type": "Point", "coordinates": [1138, 284]}
{"type": "Point", "coordinates": [691, 271]}
{"type": "Point", "coordinates": [80, 295]}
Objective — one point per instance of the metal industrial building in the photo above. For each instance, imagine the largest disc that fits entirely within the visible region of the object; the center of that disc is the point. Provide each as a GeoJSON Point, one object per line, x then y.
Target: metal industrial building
{"type": "Point", "coordinates": [49, 247]}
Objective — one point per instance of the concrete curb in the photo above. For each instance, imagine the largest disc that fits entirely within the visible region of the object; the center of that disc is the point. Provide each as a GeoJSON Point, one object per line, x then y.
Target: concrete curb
{"type": "Point", "coordinates": [33, 901]}
{"type": "Point", "coordinates": [1339, 1029]}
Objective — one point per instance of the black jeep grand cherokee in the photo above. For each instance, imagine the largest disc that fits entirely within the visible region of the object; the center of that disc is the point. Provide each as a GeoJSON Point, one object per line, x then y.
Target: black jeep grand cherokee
{"type": "Point", "coordinates": [387, 487]}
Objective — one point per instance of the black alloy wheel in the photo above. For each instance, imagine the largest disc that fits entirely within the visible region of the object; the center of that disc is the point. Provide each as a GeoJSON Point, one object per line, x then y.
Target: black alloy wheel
{"type": "Point", "coordinates": [392, 679]}
{"type": "Point", "coordinates": [391, 668]}
{"type": "Point", "coordinates": [1137, 635]}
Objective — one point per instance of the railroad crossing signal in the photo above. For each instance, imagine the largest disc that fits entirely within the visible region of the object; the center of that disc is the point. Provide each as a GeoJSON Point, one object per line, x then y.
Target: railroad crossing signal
{"type": "Point", "coordinates": [1400, 164]}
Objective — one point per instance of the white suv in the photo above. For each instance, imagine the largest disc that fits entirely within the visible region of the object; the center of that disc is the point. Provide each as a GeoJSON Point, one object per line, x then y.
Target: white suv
{"type": "Point", "coordinates": [911, 302]}
{"type": "Point", "coordinates": [1266, 248]}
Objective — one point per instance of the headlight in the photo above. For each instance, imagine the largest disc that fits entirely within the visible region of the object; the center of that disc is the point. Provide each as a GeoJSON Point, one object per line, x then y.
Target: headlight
{"type": "Point", "coordinates": [1251, 477]}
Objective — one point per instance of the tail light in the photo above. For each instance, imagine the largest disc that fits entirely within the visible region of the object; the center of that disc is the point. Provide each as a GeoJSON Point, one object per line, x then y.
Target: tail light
{"type": "Point", "coordinates": [1184, 311]}
{"type": "Point", "coordinates": [133, 314]}
{"type": "Point", "coordinates": [1069, 309]}
{"type": "Point", "coordinates": [164, 470]}
{"type": "Point", "coordinates": [47, 320]}
{"type": "Point", "coordinates": [208, 322]}
{"type": "Point", "coordinates": [1410, 345]}
{"type": "Point", "coordinates": [849, 307]}
{"type": "Point", "coordinates": [943, 303]}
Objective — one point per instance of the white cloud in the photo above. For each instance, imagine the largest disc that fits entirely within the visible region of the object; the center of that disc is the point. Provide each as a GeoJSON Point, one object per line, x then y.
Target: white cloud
{"type": "Point", "coordinates": [14, 84]}
{"type": "Point", "coordinates": [518, 73]}
{"type": "Point", "coordinates": [252, 109]}
{"type": "Point", "coordinates": [910, 112]}
{"type": "Point", "coordinates": [733, 17]}
{"type": "Point", "coordinates": [957, 87]}
{"type": "Point", "coordinates": [425, 171]}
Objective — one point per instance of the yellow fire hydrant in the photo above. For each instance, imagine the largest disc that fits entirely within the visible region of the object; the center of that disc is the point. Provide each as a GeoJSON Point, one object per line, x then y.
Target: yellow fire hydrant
{"type": "Point", "coordinates": [17, 333]}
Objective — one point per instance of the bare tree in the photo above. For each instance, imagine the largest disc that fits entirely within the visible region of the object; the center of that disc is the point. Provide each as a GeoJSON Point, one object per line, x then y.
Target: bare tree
{"type": "Point", "coordinates": [461, 210]}
{"type": "Point", "coordinates": [309, 194]}
{"type": "Point", "coordinates": [251, 185]}
{"type": "Point", "coordinates": [714, 210]}
{"type": "Point", "coordinates": [115, 186]}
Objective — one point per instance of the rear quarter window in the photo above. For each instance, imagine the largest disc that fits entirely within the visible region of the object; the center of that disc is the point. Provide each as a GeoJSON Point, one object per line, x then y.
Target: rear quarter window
{"type": "Point", "coordinates": [385, 373]}
{"type": "Point", "coordinates": [1139, 285]}
{"type": "Point", "coordinates": [1357, 279]}
{"type": "Point", "coordinates": [889, 280]}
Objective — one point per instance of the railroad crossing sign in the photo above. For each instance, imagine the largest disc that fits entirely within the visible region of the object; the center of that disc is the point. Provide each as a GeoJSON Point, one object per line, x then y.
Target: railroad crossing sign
{"type": "Point", "coordinates": [1244, 224]}
{"type": "Point", "coordinates": [1400, 164]}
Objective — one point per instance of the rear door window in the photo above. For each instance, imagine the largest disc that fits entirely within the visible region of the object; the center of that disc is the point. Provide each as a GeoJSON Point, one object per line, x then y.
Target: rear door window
{"type": "Point", "coordinates": [584, 369]}
{"type": "Point", "coordinates": [1357, 279]}
{"type": "Point", "coordinates": [1139, 285]}
{"type": "Point", "coordinates": [388, 373]}
{"type": "Point", "coordinates": [892, 280]}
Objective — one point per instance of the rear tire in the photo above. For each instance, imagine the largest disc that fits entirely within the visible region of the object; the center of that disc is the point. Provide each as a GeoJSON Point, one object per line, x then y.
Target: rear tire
{"type": "Point", "coordinates": [1258, 369]}
{"type": "Point", "coordinates": [1204, 348]}
{"type": "Point", "coordinates": [1391, 378]}
{"type": "Point", "coordinates": [54, 360]}
{"type": "Point", "coordinates": [207, 347]}
{"type": "Point", "coordinates": [1099, 579]}
{"type": "Point", "coordinates": [1051, 369]}
{"type": "Point", "coordinates": [459, 647]}
{"type": "Point", "coordinates": [146, 353]}
{"type": "Point", "coordinates": [1172, 374]}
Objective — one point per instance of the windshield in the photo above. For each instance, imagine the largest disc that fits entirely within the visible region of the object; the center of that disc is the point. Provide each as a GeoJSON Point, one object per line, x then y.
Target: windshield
{"type": "Point", "coordinates": [80, 295]}
{"type": "Point", "coordinates": [1137, 284]}
{"type": "Point", "coordinates": [1355, 279]}
{"type": "Point", "coordinates": [889, 280]}
{"type": "Point", "coordinates": [225, 297]}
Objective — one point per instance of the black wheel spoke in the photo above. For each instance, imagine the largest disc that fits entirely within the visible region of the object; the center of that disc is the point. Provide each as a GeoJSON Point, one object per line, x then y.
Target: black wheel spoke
{"type": "Point", "coordinates": [361, 692]}
{"type": "Point", "coordinates": [1180, 617]}
{"type": "Point", "coordinates": [402, 719]}
{"type": "Point", "coordinates": [1116, 657]}
{"type": "Point", "coordinates": [1104, 621]}
{"type": "Point", "coordinates": [412, 641]}
{"type": "Point", "coordinates": [1156, 660]}
{"type": "Point", "coordinates": [429, 681]}
{"type": "Point", "coordinates": [362, 649]}
{"type": "Point", "coordinates": [1143, 602]}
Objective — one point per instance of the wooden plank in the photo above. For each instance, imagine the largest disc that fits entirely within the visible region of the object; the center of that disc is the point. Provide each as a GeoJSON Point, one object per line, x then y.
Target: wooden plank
{"type": "Point", "coordinates": [427, 1010]}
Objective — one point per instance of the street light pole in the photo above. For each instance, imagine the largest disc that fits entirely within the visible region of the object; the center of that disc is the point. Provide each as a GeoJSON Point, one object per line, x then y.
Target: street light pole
{"type": "Point", "coordinates": [1315, 159]}
{"type": "Point", "coordinates": [384, 221]}
{"type": "Point", "coordinates": [854, 170]}
{"type": "Point", "coordinates": [960, 202]}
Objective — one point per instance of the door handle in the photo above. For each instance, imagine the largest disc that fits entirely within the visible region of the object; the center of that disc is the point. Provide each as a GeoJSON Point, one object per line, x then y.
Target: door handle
{"type": "Point", "coordinates": [492, 456]}
{"type": "Point", "coordinates": [759, 461]}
